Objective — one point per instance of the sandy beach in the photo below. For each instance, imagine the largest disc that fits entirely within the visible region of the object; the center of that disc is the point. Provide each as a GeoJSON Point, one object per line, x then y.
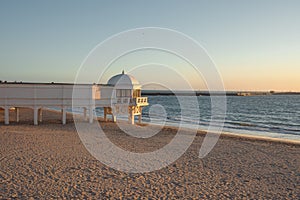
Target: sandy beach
{"type": "Point", "coordinates": [50, 161]}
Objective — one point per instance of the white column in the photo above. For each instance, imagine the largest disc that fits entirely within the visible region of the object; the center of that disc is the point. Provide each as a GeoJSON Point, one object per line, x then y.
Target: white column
{"type": "Point", "coordinates": [140, 116]}
{"type": "Point", "coordinates": [40, 115]}
{"type": "Point", "coordinates": [35, 116]}
{"type": "Point", "coordinates": [114, 118]}
{"type": "Point", "coordinates": [132, 119]}
{"type": "Point", "coordinates": [105, 114]}
{"type": "Point", "coordinates": [84, 113]}
{"type": "Point", "coordinates": [64, 116]}
{"type": "Point", "coordinates": [17, 113]}
{"type": "Point", "coordinates": [131, 115]}
{"type": "Point", "coordinates": [6, 115]}
{"type": "Point", "coordinates": [91, 115]}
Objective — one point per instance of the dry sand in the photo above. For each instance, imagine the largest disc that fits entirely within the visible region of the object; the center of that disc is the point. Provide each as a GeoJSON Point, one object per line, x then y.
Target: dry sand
{"type": "Point", "coordinates": [49, 161]}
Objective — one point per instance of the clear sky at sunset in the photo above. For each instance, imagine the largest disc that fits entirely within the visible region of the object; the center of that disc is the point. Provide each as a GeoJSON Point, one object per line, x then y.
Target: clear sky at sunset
{"type": "Point", "coordinates": [255, 44]}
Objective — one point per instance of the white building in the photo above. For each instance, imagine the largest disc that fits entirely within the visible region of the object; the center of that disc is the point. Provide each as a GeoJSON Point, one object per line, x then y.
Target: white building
{"type": "Point", "coordinates": [121, 95]}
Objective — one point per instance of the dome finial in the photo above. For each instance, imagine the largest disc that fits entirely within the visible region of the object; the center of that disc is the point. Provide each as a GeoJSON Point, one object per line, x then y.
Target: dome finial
{"type": "Point", "coordinates": [123, 71]}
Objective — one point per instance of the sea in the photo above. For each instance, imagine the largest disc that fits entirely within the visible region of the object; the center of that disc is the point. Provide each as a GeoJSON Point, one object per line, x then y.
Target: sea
{"type": "Point", "coordinates": [275, 116]}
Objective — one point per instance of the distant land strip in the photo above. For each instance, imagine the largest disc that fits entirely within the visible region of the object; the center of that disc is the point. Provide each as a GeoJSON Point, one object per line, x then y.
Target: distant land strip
{"type": "Point", "coordinates": [169, 92]}
{"type": "Point", "coordinates": [213, 93]}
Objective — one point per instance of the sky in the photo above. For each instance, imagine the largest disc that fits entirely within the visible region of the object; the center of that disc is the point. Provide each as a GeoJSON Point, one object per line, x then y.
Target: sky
{"type": "Point", "coordinates": [255, 45]}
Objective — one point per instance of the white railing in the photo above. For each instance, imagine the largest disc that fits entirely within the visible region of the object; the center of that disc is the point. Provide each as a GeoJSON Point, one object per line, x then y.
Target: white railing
{"type": "Point", "coordinates": [141, 100]}
{"type": "Point", "coordinates": [135, 101]}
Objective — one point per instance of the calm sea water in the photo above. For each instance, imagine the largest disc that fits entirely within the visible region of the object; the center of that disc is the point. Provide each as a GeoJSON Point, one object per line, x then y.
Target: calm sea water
{"type": "Point", "coordinates": [272, 116]}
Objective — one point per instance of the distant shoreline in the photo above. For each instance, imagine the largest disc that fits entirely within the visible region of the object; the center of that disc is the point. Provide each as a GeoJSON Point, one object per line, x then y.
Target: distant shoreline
{"type": "Point", "coordinates": [213, 93]}
{"type": "Point", "coordinates": [170, 92]}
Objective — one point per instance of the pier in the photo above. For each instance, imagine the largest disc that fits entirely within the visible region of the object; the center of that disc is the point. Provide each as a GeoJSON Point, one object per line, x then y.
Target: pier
{"type": "Point", "coordinates": [121, 95]}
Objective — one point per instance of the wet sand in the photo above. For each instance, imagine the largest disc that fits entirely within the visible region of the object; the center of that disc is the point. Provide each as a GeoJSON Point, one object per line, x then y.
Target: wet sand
{"type": "Point", "coordinates": [50, 161]}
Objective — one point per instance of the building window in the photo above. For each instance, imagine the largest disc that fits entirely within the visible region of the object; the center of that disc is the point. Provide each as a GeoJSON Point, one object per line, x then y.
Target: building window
{"type": "Point", "coordinates": [123, 93]}
{"type": "Point", "coordinates": [127, 93]}
{"type": "Point", "coordinates": [119, 93]}
{"type": "Point", "coordinates": [136, 93]}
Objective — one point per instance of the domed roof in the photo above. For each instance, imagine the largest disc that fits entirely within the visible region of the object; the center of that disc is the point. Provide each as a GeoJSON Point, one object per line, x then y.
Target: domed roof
{"type": "Point", "coordinates": [123, 80]}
